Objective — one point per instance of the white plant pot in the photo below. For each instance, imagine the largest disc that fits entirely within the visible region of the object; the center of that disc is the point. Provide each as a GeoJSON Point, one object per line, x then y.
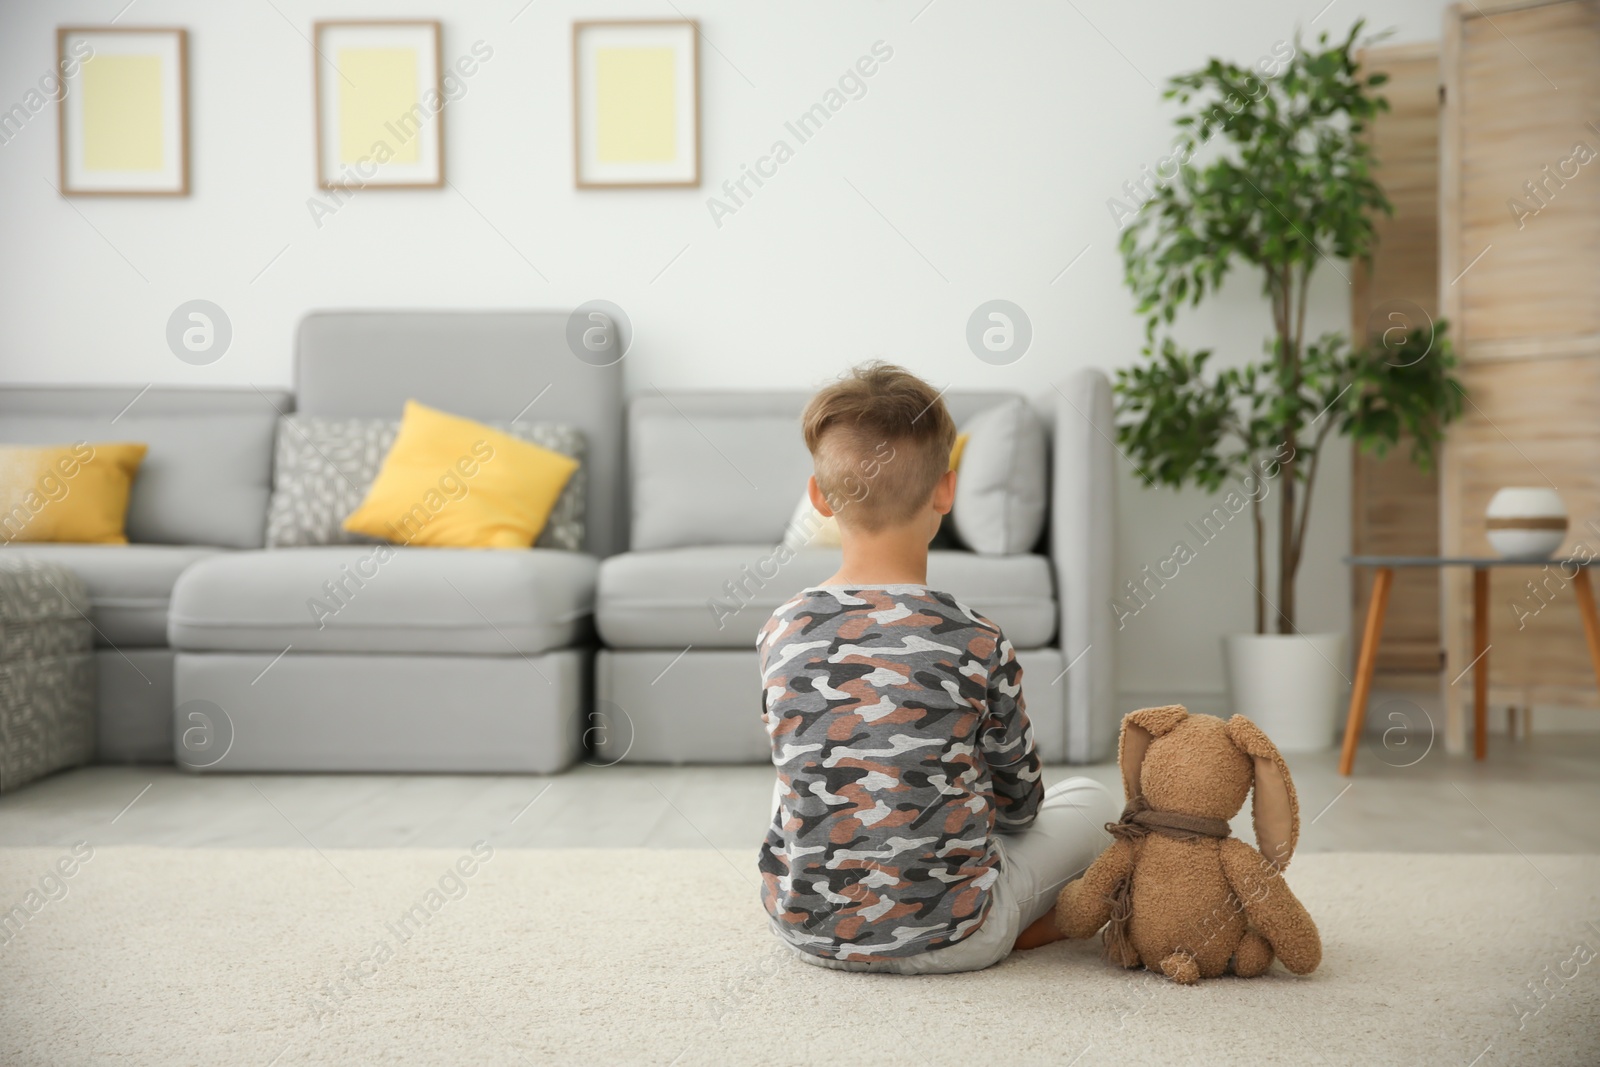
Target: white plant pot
{"type": "Point", "coordinates": [1290, 685]}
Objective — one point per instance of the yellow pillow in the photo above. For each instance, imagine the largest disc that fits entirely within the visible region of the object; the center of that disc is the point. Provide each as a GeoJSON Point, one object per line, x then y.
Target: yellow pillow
{"type": "Point", "coordinates": [454, 483]}
{"type": "Point", "coordinates": [75, 492]}
{"type": "Point", "coordinates": [955, 452]}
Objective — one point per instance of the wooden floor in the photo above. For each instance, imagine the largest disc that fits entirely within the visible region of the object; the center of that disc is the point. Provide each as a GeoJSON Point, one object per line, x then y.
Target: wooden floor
{"type": "Point", "coordinates": [1532, 796]}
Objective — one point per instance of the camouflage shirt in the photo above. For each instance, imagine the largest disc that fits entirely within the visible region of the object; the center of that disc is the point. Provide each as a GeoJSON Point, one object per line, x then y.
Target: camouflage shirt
{"type": "Point", "coordinates": [898, 732]}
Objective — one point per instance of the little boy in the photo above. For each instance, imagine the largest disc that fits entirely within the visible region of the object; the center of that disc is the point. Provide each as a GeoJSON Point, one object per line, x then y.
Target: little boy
{"type": "Point", "coordinates": [911, 831]}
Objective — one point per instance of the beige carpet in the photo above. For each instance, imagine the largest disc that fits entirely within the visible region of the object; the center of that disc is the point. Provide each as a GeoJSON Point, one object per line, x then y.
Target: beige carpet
{"type": "Point", "coordinates": [281, 956]}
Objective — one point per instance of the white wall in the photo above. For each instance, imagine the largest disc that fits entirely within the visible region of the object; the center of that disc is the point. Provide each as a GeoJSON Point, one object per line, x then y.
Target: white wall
{"type": "Point", "coordinates": [991, 142]}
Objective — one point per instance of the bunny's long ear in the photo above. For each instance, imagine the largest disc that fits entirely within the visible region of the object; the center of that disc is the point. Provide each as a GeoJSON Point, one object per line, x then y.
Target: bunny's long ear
{"type": "Point", "coordinates": [1274, 807]}
{"type": "Point", "coordinates": [1139, 728]}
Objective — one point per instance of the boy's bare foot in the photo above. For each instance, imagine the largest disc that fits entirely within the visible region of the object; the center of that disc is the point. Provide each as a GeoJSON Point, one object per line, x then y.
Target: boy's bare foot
{"type": "Point", "coordinates": [1042, 932]}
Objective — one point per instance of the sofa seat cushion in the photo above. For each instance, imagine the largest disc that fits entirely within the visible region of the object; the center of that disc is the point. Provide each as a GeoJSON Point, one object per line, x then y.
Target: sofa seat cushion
{"type": "Point", "coordinates": [719, 596]}
{"type": "Point", "coordinates": [380, 598]}
{"type": "Point", "coordinates": [129, 585]}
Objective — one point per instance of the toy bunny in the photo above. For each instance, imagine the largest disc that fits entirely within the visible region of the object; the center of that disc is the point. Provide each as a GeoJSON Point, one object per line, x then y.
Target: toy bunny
{"type": "Point", "coordinates": [1182, 896]}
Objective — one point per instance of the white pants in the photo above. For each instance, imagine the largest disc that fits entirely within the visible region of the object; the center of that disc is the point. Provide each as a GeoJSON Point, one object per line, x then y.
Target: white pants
{"type": "Point", "coordinates": [1066, 836]}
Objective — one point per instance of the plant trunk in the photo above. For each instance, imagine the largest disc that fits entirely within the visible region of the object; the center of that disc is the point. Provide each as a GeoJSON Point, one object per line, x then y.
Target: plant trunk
{"type": "Point", "coordinates": [1286, 561]}
{"type": "Point", "coordinates": [1290, 381]}
{"type": "Point", "coordinates": [1290, 333]}
{"type": "Point", "coordinates": [1261, 563]}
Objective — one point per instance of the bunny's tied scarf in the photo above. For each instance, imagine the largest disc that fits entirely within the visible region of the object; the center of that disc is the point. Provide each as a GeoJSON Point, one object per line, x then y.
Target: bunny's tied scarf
{"type": "Point", "coordinates": [1139, 820]}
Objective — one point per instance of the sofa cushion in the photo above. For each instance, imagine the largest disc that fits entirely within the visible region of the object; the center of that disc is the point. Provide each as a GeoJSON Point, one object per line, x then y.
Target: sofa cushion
{"type": "Point", "coordinates": [725, 468]}
{"type": "Point", "coordinates": [720, 596]}
{"type": "Point", "coordinates": [382, 598]}
{"type": "Point", "coordinates": [714, 469]}
{"type": "Point", "coordinates": [206, 477]}
{"type": "Point", "coordinates": [1004, 484]}
{"type": "Point", "coordinates": [129, 585]}
{"type": "Point", "coordinates": [323, 468]}
{"type": "Point", "coordinates": [485, 365]}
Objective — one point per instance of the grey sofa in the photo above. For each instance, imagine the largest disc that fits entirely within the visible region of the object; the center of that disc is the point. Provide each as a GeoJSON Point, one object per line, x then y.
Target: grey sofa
{"type": "Point", "coordinates": [442, 660]}
{"type": "Point", "coordinates": [714, 478]}
{"type": "Point", "coordinates": [460, 660]}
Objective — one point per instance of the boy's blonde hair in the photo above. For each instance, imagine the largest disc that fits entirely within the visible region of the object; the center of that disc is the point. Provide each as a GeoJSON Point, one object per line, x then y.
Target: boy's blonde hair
{"type": "Point", "coordinates": [880, 438]}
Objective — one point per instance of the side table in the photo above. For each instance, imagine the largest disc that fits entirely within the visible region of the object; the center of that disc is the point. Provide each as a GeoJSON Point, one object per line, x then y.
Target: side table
{"type": "Point", "coordinates": [1383, 579]}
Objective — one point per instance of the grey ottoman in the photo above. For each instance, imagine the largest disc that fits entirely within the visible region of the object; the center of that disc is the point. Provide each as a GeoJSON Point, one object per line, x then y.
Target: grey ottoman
{"type": "Point", "coordinates": [47, 680]}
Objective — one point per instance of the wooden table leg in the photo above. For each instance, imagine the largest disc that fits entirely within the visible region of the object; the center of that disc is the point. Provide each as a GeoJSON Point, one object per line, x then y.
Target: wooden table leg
{"type": "Point", "coordinates": [1365, 665]}
{"type": "Point", "coordinates": [1480, 662]}
{"type": "Point", "coordinates": [1591, 625]}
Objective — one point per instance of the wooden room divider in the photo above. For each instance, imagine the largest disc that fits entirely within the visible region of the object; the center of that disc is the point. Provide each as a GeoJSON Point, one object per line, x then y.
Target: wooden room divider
{"type": "Point", "coordinates": [1519, 281]}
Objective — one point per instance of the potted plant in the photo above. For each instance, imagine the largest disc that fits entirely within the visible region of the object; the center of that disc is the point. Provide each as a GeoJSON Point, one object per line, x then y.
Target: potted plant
{"type": "Point", "coordinates": [1285, 185]}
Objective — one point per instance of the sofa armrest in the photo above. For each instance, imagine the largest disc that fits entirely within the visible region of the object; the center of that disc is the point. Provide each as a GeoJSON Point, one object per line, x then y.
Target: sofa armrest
{"type": "Point", "coordinates": [1082, 551]}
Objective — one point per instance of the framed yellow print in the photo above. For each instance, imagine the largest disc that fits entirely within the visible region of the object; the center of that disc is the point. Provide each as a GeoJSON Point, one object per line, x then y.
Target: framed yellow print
{"type": "Point", "coordinates": [636, 104]}
{"type": "Point", "coordinates": [124, 111]}
{"type": "Point", "coordinates": [380, 107]}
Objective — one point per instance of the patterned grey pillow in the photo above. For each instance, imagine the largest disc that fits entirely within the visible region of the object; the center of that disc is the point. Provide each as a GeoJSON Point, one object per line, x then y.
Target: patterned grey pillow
{"type": "Point", "coordinates": [322, 469]}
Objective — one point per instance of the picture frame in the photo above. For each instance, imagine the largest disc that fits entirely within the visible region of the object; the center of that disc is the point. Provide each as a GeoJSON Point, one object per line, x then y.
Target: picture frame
{"type": "Point", "coordinates": [379, 101]}
{"type": "Point", "coordinates": [123, 114]}
{"type": "Point", "coordinates": [636, 104]}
